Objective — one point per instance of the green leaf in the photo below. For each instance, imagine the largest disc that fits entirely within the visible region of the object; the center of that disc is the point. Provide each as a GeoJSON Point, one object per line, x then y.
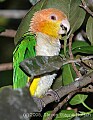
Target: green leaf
{"type": "Point", "coordinates": [84, 49]}
{"type": "Point", "coordinates": [77, 99]}
{"type": "Point", "coordinates": [80, 47]}
{"type": "Point", "coordinates": [76, 14]}
{"type": "Point", "coordinates": [71, 8]}
{"type": "Point", "coordinates": [46, 114]}
{"type": "Point", "coordinates": [63, 115]}
{"type": "Point", "coordinates": [58, 81]}
{"type": "Point", "coordinates": [78, 44]}
{"type": "Point", "coordinates": [89, 29]}
{"type": "Point", "coordinates": [67, 74]}
{"type": "Point", "coordinates": [41, 64]}
{"type": "Point", "coordinates": [76, 47]}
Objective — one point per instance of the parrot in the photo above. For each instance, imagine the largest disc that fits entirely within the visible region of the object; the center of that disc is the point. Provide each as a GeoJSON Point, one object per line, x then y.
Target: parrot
{"type": "Point", "coordinates": [42, 39]}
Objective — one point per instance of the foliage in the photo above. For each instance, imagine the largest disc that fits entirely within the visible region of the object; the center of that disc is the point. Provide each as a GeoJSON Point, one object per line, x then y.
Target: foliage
{"type": "Point", "coordinates": [40, 65]}
{"type": "Point", "coordinates": [89, 28]}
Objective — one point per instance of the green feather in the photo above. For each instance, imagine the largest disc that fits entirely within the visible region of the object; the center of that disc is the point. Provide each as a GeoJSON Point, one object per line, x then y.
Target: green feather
{"type": "Point", "coordinates": [23, 50]}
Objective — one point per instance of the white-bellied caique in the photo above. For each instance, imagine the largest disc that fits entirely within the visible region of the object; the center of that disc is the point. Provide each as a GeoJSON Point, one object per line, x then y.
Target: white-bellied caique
{"type": "Point", "coordinates": [42, 39]}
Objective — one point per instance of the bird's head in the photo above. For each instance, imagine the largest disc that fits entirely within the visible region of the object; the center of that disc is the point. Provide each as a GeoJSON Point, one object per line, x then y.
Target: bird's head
{"type": "Point", "coordinates": [52, 22]}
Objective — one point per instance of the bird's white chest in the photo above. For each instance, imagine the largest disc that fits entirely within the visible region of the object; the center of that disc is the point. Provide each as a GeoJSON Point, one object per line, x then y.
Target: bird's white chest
{"type": "Point", "coordinates": [46, 46]}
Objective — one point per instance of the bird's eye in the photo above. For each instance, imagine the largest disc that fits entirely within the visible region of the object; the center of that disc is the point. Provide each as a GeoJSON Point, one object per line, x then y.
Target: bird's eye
{"type": "Point", "coordinates": [53, 17]}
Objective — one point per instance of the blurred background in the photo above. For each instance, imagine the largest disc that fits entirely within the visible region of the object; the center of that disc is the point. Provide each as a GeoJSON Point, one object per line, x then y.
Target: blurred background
{"type": "Point", "coordinates": [11, 14]}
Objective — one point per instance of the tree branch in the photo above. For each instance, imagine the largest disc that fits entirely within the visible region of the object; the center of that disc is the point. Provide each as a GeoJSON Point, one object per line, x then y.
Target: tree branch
{"type": "Point", "coordinates": [72, 57]}
{"type": "Point", "coordinates": [59, 106]}
{"type": "Point", "coordinates": [8, 33]}
{"type": "Point", "coordinates": [85, 7]}
{"type": "Point", "coordinates": [16, 14]}
{"type": "Point", "coordinates": [6, 66]}
{"type": "Point", "coordinates": [78, 60]}
{"type": "Point", "coordinates": [88, 89]}
{"type": "Point", "coordinates": [64, 90]}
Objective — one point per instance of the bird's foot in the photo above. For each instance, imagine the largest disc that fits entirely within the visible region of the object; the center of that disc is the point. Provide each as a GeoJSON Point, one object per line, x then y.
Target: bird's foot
{"type": "Point", "coordinates": [54, 94]}
{"type": "Point", "coordinates": [40, 103]}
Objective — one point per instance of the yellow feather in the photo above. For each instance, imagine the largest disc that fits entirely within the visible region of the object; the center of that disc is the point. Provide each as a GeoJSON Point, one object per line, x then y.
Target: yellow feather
{"type": "Point", "coordinates": [34, 85]}
{"type": "Point", "coordinates": [51, 28]}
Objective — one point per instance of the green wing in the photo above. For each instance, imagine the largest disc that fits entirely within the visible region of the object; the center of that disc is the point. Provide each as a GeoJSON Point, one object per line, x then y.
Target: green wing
{"type": "Point", "coordinates": [23, 50]}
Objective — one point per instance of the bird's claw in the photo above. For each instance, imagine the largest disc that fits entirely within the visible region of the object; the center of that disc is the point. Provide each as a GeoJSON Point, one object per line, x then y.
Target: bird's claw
{"type": "Point", "coordinates": [40, 103]}
{"type": "Point", "coordinates": [54, 94]}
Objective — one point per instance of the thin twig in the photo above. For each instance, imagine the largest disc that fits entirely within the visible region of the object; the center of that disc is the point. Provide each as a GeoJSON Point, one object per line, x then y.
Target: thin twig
{"type": "Point", "coordinates": [16, 14]}
{"type": "Point", "coordinates": [8, 33]}
{"type": "Point", "coordinates": [71, 56]}
{"type": "Point", "coordinates": [6, 66]}
{"type": "Point", "coordinates": [59, 106]}
{"type": "Point", "coordinates": [77, 60]}
{"type": "Point", "coordinates": [85, 7]}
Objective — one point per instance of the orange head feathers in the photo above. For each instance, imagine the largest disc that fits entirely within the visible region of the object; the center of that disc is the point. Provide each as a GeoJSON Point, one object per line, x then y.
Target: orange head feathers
{"type": "Point", "coordinates": [51, 21]}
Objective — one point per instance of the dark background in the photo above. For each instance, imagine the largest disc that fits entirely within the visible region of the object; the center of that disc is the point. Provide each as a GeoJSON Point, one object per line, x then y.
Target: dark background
{"type": "Point", "coordinates": [6, 43]}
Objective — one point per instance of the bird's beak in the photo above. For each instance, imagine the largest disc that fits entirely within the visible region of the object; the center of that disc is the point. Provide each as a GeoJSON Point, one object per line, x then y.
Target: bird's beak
{"type": "Point", "coordinates": [64, 27]}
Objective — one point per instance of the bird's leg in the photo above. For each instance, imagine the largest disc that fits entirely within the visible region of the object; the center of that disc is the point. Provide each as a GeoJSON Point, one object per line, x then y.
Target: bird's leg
{"type": "Point", "coordinates": [54, 94]}
{"type": "Point", "coordinates": [40, 103]}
